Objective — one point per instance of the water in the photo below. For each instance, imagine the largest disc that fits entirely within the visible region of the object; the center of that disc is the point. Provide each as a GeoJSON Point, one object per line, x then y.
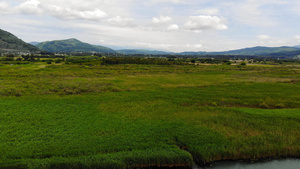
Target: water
{"type": "Point", "coordinates": [274, 164]}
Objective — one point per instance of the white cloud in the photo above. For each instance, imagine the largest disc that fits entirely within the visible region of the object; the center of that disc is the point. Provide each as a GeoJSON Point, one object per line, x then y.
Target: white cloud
{"type": "Point", "coordinates": [198, 46]}
{"type": "Point", "coordinates": [204, 22]}
{"type": "Point", "coordinates": [161, 19]}
{"type": "Point", "coordinates": [194, 47]}
{"type": "Point", "coordinates": [169, 46]}
{"type": "Point", "coordinates": [122, 22]}
{"type": "Point", "coordinates": [29, 7]}
{"type": "Point", "coordinates": [208, 11]}
{"type": "Point", "coordinates": [173, 27]}
{"type": "Point", "coordinates": [161, 46]}
{"type": "Point", "coordinates": [297, 37]}
{"type": "Point", "coordinates": [3, 7]}
{"type": "Point", "coordinates": [162, 24]}
{"type": "Point", "coordinates": [67, 13]}
{"type": "Point", "coordinates": [36, 7]}
{"type": "Point", "coordinates": [255, 12]}
{"type": "Point", "coordinates": [91, 15]}
{"type": "Point", "coordinates": [263, 37]}
{"type": "Point", "coordinates": [170, 1]}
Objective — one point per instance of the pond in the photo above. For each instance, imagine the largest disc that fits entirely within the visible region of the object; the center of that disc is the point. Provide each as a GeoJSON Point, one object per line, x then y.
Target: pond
{"type": "Point", "coordinates": [274, 164]}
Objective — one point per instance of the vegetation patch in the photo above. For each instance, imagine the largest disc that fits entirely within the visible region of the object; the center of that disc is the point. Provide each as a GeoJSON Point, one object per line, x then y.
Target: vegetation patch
{"type": "Point", "coordinates": [135, 116]}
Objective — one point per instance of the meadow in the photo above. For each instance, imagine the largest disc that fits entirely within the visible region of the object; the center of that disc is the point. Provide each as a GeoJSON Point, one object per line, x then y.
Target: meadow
{"type": "Point", "coordinates": [136, 116]}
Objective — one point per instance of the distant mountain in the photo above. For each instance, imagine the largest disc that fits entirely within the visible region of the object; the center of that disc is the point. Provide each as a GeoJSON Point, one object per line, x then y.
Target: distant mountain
{"type": "Point", "coordinates": [255, 51]}
{"type": "Point", "coordinates": [142, 51]}
{"type": "Point", "coordinates": [261, 50]}
{"type": "Point", "coordinates": [284, 55]}
{"type": "Point", "coordinates": [197, 53]}
{"type": "Point", "coordinates": [72, 46]}
{"type": "Point", "coordinates": [34, 43]}
{"type": "Point", "coordinates": [297, 46]}
{"type": "Point", "coordinates": [10, 43]}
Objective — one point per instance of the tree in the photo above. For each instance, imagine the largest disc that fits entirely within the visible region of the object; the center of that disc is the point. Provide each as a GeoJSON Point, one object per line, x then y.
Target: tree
{"type": "Point", "coordinates": [26, 57]}
{"type": "Point", "coordinates": [19, 59]}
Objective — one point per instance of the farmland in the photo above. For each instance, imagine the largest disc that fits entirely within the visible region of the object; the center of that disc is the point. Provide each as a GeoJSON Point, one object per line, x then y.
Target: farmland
{"type": "Point", "coordinates": [133, 115]}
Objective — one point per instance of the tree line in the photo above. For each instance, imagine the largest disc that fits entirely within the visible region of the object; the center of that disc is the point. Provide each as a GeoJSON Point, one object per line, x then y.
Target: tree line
{"type": "Point", "coordinates": [98, 58]}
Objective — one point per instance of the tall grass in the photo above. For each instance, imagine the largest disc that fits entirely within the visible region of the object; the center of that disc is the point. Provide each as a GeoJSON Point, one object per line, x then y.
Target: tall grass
{"type": "Point", "coordinates": [126, 116]}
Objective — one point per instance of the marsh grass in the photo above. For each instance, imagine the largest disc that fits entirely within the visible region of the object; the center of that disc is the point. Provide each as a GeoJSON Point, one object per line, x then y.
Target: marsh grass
{"type": "Point", "coordinates": [124, 116]}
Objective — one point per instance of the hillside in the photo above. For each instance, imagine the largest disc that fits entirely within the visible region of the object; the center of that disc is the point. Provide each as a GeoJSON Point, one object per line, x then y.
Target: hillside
{"type": "Point", "coordinates": [9, 42]}
{"type": "Point", "coordinates": [72, 46]}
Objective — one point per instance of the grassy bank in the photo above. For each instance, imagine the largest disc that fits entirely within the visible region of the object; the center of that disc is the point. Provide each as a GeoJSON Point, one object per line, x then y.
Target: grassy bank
{"type": "Point", "coordinates": [118, 116]}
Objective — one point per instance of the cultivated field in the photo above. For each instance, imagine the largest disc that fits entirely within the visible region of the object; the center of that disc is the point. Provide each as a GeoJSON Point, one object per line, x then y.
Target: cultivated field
{"type": "Point", "coordinates": [123, 116]}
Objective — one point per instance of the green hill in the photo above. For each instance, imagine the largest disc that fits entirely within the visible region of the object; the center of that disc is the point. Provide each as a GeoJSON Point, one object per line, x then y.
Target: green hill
{"type": "Point", "coordinates": [72, 46]}
{"type": "Point", "coordinates": [10, 43]}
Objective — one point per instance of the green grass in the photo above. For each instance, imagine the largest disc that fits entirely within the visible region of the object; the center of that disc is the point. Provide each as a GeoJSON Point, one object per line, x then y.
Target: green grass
{"type": "Point", "coordinates": [124, 116]}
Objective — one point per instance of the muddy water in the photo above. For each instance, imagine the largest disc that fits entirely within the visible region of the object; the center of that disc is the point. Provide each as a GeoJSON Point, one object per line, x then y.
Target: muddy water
{"type": "Point", "coordinates": [274, 164]}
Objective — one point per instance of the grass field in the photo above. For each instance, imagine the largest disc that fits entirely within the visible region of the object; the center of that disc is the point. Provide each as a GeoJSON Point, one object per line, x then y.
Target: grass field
{"type": "Point", "coordinates": [126, 116]}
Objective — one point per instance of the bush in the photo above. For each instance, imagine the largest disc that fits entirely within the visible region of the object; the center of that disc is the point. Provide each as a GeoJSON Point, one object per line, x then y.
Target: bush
{"type": "Point", "coordinates": [279, 105]}
{"type": "Point", "coordinates": [226, 63]}
{"type": "Point", "coordinates": [7, 59]}
{"type": "Point", "coordinates": [264, 105]}
{"type": "Point", "coordinates": [243, 63]}
{"type": "Point", "coordinates": [58, 61]}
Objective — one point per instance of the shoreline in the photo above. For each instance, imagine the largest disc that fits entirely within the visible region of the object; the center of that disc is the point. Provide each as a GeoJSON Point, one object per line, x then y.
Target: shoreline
{"type": "Point", "coordinates": [159, 166]}
{"type": "Point", "coordinates": [213, 163]}
{"type": "Point", "coordinates": [248, 161]}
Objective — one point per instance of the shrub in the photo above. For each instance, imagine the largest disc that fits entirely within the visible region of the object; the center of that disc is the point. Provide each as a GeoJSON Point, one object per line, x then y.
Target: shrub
{"type": "Point", "coordinates": [58, 61]}
{"type": "Point", "coordinates": [264, 105]}
{"type": "Point", "coordinates": [279, 105]}
{"type": "Point", "coordinates": [226, 63]}
{"type": "Point", "coordinates": [19, 59]}
{"type": "Point", "coordinates": [243, 63]}
{"type": "Point", "coordinates": [214, 104]}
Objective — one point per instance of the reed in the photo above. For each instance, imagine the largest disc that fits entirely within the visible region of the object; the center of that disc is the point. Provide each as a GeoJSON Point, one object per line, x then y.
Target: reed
{"type": "Point", "coordinates": [135, 116]}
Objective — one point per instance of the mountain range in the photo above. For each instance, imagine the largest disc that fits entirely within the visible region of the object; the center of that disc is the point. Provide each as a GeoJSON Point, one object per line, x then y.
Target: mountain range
{"type": "Point", "coordinates": [72, 46]}
{"type": "Point", "coordinates": [10, 43]}
{"type": "Point", "coordinates": [258, 51]}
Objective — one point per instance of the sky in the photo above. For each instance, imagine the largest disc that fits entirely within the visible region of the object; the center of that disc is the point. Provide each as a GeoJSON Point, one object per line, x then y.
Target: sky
{"type": "Point", "coordinates": [168, 25]}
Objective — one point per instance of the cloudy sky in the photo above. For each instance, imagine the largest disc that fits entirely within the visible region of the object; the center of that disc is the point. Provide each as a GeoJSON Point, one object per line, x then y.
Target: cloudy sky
{"type": "Point", "coordinates": [170, 25]}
